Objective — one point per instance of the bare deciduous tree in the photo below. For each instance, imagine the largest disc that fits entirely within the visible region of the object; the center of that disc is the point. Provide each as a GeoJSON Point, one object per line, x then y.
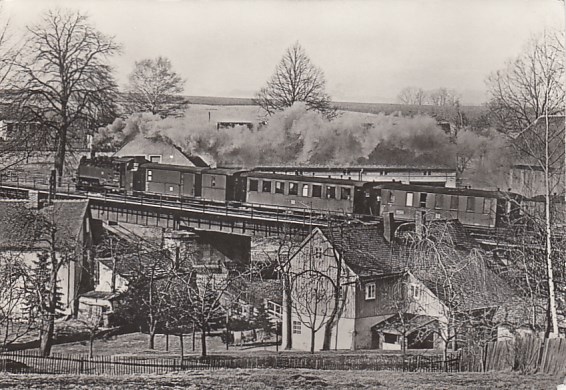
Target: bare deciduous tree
{"type": "Point", "coordinates": [443, 97]}
{"type": "Point", "coordinates": [154, 87]}
{"type": "Point", "coordinates": [64, 81]}
{"type": "Point", "coordinates": [412, 95]}
{"type": "Point", "coordinates": [295, 79]}
{"type": "Point", "coordinates": [529, 86]}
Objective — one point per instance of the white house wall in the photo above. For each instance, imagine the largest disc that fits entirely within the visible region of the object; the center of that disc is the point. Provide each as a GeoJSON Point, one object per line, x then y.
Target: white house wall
{"type": "Point", "coordinates": [67, 280]}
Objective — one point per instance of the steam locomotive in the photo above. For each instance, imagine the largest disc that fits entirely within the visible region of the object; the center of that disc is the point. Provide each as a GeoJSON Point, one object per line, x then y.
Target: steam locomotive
{"type": "Point", "coordinates": [135, 175]}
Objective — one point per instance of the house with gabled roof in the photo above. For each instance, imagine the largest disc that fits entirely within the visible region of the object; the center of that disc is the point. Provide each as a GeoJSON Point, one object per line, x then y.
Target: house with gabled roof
{"type": "Point", "coordinates": [29, 228]}
{"type": "Point", "coordinates": [158, 151]}
{"type": "Point", "coordinates": [356, 286]}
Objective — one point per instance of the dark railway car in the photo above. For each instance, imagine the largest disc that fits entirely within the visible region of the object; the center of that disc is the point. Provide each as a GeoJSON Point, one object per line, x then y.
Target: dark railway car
{"type": "Point", "coordinates": [471, 207]}
{"type": "Point", "coordinates": [110, 174]}
{"type": "Point", "coordinates": [173, 180]}
{"type": "Point", "coordinates": [339, 196]}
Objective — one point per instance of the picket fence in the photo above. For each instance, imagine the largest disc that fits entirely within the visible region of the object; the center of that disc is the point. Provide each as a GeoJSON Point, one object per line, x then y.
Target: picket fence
{"type": "Point", "coordinates": [527, 354]}
{"type": "Point", "coordinates": [31, 362]}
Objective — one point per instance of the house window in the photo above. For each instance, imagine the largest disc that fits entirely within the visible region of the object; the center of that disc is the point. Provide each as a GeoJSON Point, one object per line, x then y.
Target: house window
{"type": "Point", "coordinates": [296, 327]}
{"type": "Point", "coordinates": [415, 291]}
{"type": "Point", "coordinates": [330, 192]}
{"type": "Point", "coordinates": [470, 204]}
{"type": "Point", "coordinates": [486, 206]}
{"type": "Point", "coordinates": [391, 197]}
{"type": "Point", "coordinates": [170, 188]}
{"type": "Point", "coordinates": [390, 338]}
{"type": "Point", "coordinates": [149, 175]}
{"type": "Point", "coordinates": [293, 188]}
{"type": "Point", "coordinates": [316, 191]}
{"type": "Point", "coordinates": [279, 187]}
{"type": "Point", "coordinates": [305, 190]}
{"type": "Point", "coordinates": [155, 159]}
{"type": "Point", "coordinates": [213, 181]}
{"type": "Point", "coordinates": [346, 193]}
{"type": "Point", "coordinates": [409, 200]}
{"type": "Point", "coordinates": [254, 184]}
{"type": "Point", "coordinates": [370, 291]}
{"type": "Point", "coordinates": [317, 252]}
{"type": "Point", "coordinates": [266, 186]}
{"type": "Point", "coordinates": [454, 202]}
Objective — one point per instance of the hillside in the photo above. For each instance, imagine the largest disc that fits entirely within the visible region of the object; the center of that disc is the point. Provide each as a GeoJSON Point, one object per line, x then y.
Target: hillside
{"type": "Point", "coordinates": [473, 113]}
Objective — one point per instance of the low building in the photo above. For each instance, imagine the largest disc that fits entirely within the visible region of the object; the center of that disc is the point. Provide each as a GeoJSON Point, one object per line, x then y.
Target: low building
{"type": "Point", "coordinates": [29, 229]}
{"type": "Point", "coordinates": [158, 151]}
{"type": "Point", "coordinates": [424, 175]}
{"type": "Point", "coordinates": [374, 291]}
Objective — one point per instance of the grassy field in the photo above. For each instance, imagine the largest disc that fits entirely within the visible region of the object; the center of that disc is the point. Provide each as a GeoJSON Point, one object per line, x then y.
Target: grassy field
{"type": "Point", "coordinates": [285, 379]}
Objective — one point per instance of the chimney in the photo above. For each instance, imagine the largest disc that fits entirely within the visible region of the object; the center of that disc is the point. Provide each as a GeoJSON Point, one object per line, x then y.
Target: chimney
{"type": "Point", "coordinates": [33, 197]}
{"type": "Point", "coordinates": [388, 226]}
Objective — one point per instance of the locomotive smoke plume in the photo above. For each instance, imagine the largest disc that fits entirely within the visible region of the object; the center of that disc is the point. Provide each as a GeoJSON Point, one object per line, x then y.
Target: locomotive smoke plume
{"type": "Point", "coordinates": [297, 136]}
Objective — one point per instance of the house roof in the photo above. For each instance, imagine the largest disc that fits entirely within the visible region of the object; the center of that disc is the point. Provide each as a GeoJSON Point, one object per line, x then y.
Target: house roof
{"type": "Point", "coordinates": [21, 226]}
{"type": "Point", "coordinates": [365, 250]}
{"type": "Point", "coordinates": [128, 265]}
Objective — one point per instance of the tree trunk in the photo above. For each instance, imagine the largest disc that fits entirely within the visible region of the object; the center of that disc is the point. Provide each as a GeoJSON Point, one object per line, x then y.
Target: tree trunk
{"type": "Point", "coordinates": [313, 333]}
{"type": "Point", "coordinates": [152, 339]}
{"type": "Point", "coordinates": [203, 341]}
{"type": "Point", "coordinates": [47, 332]}
{"type": "Point", "coordinates": [182, 347]}
{"type": "Point", "coordinates": [60, 155]}
{"type": "Point", "coordinates": [91, 346]}
{"type": "Point", "coordinates": [288, 320]}
{"type": "Point", "coordinates": [194, 337]}
{"type": "Point", "coordinates": [46, 341]}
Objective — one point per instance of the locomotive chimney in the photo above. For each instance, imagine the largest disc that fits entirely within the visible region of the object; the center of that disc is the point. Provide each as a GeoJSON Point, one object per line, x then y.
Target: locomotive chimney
{"type": "Point", "coordinates": [388, 226]}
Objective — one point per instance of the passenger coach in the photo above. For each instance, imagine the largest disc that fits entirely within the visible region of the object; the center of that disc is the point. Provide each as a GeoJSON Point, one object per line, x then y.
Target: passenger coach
{"type": "Point", "coordinates": [471, 207]}
{"type": "Point", "coordinates": [302, 191]}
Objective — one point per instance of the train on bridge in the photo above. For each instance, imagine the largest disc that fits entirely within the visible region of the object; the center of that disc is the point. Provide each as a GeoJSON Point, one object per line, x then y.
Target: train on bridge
{"type": "Point", "coordinates": [241, 188]}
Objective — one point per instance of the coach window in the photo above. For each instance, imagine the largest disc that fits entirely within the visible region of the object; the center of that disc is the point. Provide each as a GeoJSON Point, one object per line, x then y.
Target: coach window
{"type": "Point", "coordinates": [293, 188]}
{"type": "Point", "coordinates": [422, 202]}
{"type": "Point", "coordinates": [254, 184]}
{"type": "Point", "coordinates": [454, 202]}
{"type": "Point", "coordinates": [316, 191]}
{"type": "Point", "coordinates": [266, 186]}
{"type": "Point", "coordinates": [409, 199]}
{"type": "Point", "coordinates": [331, 192]}
{"type": "Point", "coordinates": [438, 201]}
{"type": "Point", "coordinates": [305, 191]}
{"type": "Point", "coordinates": [149, 175]}
{"type": "Point", "coordinates": [346, 193]}
{"type": "Point", "coordinates": [279, 187]}
{"type": "Point", "coordinates": [470, 204]}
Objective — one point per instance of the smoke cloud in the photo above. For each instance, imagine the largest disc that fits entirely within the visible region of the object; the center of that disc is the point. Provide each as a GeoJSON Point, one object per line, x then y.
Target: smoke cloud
{"type": "Point", "coordinates": [297, 136]}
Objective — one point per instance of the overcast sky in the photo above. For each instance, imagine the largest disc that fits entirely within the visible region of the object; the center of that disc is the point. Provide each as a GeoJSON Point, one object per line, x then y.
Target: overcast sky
{"type": "Point", "coordinates": [369, 50]}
